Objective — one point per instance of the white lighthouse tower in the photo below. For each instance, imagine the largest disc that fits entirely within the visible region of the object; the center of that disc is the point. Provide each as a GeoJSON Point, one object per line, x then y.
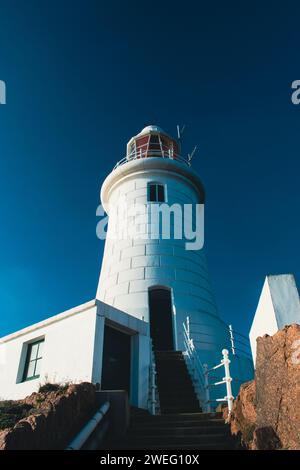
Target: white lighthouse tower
{"type": "Point", "coordinates": [154, 306]}
{"type": "Point", "coordinates": [157, 279]}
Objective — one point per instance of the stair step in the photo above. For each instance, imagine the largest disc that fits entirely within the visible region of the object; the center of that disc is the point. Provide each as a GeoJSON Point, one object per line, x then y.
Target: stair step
{"type": "Point", "coordinates": [177, 423]}
{"type": "Point", "coordinates": [165, 403]}
{"type": "Point", "coordinates": [193, 441]}
{"type": "Point", "coordinates": [172, 381]}
{"type": "Point", "coordinates": [200, 416]}
{"type": "Point", "coordinates": [186, 391]}
{"type": "Point", "coordinates": [177, 438]}
{"type": "Point", "coordinates": [182, 446]}
{"type": "Point", "coordinates": [184, 405]}
{"type": "Point", "coordinates": [171, 409]}
{"type": "Point", "coordinates": [178, 431]}
{"type": "Point", "coordinates": [182, 424]}
{"type": "Point", "coordinates": [171, 352]}
{"type": "Point", "coordinates": [171, 362]}
{"type": "Point", "coordinates": [180, 396]}
{"type": "Point", "coordinates": [190, 417]}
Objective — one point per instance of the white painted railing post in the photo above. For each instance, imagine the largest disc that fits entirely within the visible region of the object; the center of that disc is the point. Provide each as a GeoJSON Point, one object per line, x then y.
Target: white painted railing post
{"type": "Point", "coordinates": [231, 338]}
{"type": "Point", "coordinates": [227, 379]}
{"type": "Point", "coordinates": [153, 389]}
{"type": "Point", "coordinates": [194, 365]}
{"type": "Point", "coordinates": [188, 327]}
{"type": "Point", "coordinates": [201, 373]}
{"type": "Point", "coordinates": [206, 385]}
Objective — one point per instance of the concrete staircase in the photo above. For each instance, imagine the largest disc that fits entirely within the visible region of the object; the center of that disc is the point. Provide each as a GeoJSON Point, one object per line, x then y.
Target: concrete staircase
{"type": "Point", "coordinates": [181, 424]}
{"type": "Point", "coordinates": [178, 431]}
{"type": "Point", "coordinates": [175, 387]}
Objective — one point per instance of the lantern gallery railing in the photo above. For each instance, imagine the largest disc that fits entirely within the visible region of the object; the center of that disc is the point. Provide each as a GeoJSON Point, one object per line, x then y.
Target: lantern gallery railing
{"type": "Point", "coordinates": [144, 153]}
{"type": "Point", "coordinates": [201, 374]}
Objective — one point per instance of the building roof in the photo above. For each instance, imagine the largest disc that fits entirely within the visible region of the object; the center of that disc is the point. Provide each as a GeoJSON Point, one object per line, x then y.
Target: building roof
{"type": "Point", "coordinates": [49, 321]}
{"type": "Point", "coordinates": [151, 128]}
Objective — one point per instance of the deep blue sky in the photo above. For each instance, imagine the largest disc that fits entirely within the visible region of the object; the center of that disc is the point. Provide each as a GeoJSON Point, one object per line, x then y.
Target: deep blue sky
{"type": "Point", "coordinates": [84, 76]}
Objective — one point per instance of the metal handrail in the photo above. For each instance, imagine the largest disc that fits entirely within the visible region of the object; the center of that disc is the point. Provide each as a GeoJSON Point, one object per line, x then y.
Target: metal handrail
{"type": "Point", "coordinates": [232, 338]}
{"type": "Point", "coordinates": [201, 373]}
{"type": "Point", "coordinates": [83, 435]}
{"type": "Point", "coordinates": [225, 380]}
{"type": "Point", "coordinates": [153, 401]}
{"type": "Point", "coordinates": [152, 153]}
{"type": "Point", "coordinates": [239, 334]}
{"type": "Point", "coordinates": [233, 342]}
{"type": "Point", "coordinates": [195, 363]}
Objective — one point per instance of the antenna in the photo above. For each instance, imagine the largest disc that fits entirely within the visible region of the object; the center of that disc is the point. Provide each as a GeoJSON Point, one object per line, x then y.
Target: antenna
{"type": "Point", "coordinates": [180, 131]}
{"type": "Point", "coordinates": [190, 155]}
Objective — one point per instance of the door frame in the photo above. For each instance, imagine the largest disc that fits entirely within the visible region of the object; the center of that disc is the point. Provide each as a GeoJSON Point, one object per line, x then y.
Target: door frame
{"type": "Point", "coordinates": [133, 351]}
{"type": "Point", "coordinates": [173, 311]}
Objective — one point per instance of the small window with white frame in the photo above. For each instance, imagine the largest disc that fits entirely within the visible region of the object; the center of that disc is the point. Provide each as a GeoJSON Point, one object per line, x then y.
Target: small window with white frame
{"type": "Point", "coordinates": [33, 362]}
{"type": "Point", "coordinates": [156, 192]}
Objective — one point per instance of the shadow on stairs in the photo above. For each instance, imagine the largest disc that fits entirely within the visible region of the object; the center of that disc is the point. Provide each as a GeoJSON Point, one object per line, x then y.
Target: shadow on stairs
{"type": "Point", "coordinates": [181, 424]}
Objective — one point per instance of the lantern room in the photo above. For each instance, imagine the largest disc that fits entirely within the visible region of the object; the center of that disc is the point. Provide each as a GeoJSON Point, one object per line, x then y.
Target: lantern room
{"type": "Point", "coordinates": [152, 141]}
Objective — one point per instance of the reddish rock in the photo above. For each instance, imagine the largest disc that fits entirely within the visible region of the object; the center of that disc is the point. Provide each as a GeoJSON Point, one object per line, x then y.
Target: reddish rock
{"type": "Point", "coordinates": [243, 416]}
{"type": "Point", "coordinates": [56, 417]}
{"type": "Point", "coordinates": [266, 412]}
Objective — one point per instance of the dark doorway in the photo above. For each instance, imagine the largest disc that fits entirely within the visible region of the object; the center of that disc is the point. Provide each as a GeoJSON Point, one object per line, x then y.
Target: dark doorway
{"type": "Point", "coordinates": [116, 360]}
{"type": "Point", "coordinates": [161, 324]}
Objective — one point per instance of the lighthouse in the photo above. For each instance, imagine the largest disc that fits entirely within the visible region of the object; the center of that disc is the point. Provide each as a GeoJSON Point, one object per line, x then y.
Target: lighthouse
{"type": "Point", "coordinates": [155, 275]}
{"type": "Point", "coordinates": [153, 326]}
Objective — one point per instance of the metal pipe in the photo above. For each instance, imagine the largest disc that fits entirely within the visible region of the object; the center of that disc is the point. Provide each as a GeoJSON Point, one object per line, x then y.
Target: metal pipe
{"type": "Point", "coordinates": [90, 426]}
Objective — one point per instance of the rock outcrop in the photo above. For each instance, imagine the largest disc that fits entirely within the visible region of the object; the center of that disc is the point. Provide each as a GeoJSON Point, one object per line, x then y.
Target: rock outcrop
{"type": "Point", "coordinates": [55, 418]}
{"type": "Point", "coordinates": [266, 413]}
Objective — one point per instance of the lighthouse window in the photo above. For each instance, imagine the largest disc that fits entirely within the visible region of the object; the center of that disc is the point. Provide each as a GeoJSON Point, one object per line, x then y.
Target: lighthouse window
{"type": "Point", "coordinates": [33, 360]}
{"type": "Point", "coordinates": [156, 192]}
{"type": "Point", "coordinates": [154, 140]}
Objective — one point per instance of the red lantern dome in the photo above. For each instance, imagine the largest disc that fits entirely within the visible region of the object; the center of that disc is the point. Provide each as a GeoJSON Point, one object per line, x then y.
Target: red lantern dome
{"type": "Point", "coordinates": [152, 141]}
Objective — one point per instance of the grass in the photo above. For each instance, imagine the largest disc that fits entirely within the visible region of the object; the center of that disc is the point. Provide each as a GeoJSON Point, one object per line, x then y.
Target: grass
{"type": "Point", "coordinates": [49, 387]}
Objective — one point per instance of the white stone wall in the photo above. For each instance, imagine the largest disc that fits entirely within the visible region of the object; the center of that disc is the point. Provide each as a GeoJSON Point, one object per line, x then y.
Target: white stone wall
{"type": "Point", "coordinates": [278, 306]}
{"type": "Point", "coordinates": [130, 267]}
{"type": "Point", "coordinates": [67, 356]}
{"type": "Point", "coordinates": [73, 351]}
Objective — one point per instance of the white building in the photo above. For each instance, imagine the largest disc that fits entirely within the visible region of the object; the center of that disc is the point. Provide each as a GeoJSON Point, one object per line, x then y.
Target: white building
{"type": "Point", "coordinates": [278, 306]}
{"type": "Point", "coordinates": [148, 287]}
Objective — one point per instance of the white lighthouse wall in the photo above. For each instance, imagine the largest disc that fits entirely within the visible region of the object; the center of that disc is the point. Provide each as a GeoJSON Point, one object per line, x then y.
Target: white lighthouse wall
{"type": "Point", "coordinates": [130, 267]}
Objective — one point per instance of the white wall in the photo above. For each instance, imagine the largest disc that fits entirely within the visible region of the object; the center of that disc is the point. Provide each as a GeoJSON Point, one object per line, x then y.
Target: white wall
{"type": "Point", "coordinates": [278, 306]}
{"type": "Point", "coordinates": [130, 267]}
{"type": "Point", "coordinates": [73, 351]}
{"type": "Point", "coordinates": [140, 350]}
{"type": "Point", "coordinates": [67, 355]}
{"type": "Point", "coordinates": [285, 297]}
